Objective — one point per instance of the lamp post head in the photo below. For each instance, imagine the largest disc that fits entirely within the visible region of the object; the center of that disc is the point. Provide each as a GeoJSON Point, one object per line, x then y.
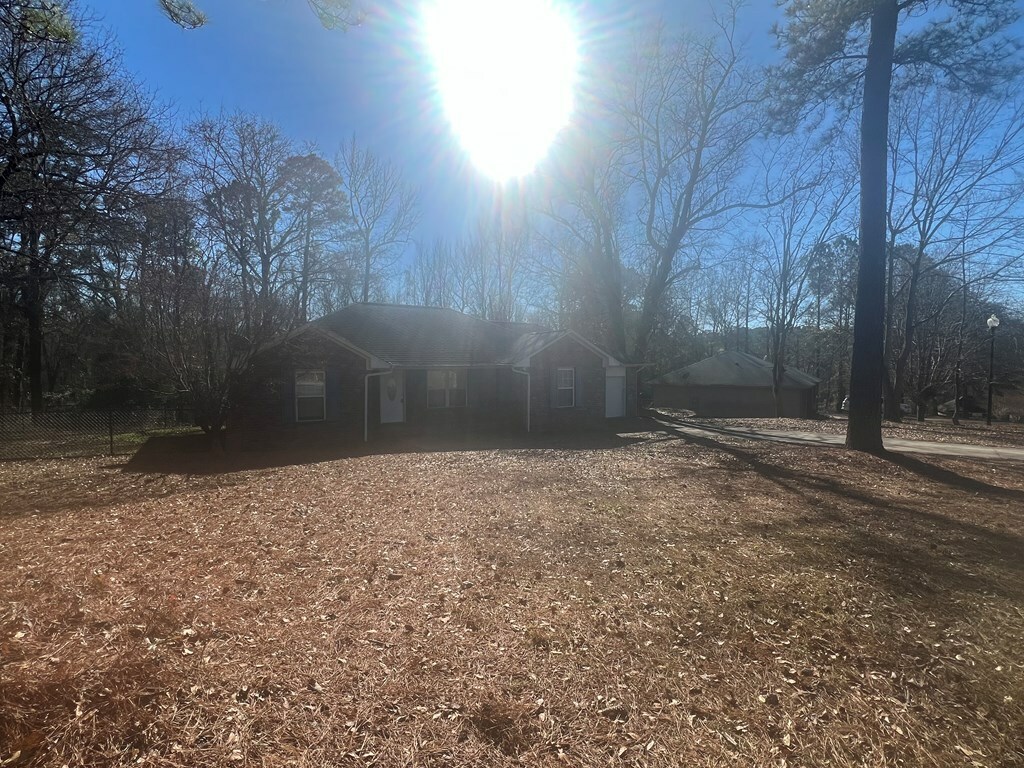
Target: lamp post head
{"type": "Point", "coordinates": [993, 323]}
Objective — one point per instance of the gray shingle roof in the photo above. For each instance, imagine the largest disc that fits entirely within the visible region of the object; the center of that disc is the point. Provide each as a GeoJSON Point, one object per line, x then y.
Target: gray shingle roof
{"type": "Point", "coordinates": [734, 369]}
{"type": "Point", "coordinates": [427, 336]}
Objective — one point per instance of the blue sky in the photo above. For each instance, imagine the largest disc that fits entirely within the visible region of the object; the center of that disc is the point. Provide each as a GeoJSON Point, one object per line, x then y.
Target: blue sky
{"type": "Point", "coordinates": [272, 58]}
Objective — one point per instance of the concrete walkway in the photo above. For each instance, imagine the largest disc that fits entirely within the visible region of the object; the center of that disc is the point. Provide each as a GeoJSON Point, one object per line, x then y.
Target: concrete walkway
{"type": "Point", "coordinates": [818, 438]}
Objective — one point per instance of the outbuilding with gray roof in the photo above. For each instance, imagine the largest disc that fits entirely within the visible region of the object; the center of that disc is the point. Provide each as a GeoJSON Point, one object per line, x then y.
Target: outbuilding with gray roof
{"type": "Point", "coordinates": [735, 384]}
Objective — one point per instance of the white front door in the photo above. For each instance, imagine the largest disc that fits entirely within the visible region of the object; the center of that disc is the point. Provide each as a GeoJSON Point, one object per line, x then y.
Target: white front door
{"type": "Point", "coordinates": [614, 395]}
{"type": "Point", "coordinates": [392, 397]}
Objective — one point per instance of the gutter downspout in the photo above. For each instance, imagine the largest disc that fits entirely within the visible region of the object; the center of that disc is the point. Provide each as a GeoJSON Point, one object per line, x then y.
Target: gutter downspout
{"type": "Point", "coordinates": [366, 401]}
{"type": "Point", "coordinates": [529, 399]}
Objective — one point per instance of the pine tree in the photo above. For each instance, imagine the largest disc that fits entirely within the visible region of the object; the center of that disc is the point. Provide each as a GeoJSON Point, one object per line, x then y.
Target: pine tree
{"type": "Point", "coordinates": [841, 54]}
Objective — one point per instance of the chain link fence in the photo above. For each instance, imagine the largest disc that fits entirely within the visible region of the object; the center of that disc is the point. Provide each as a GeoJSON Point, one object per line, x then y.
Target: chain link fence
{"type": "Point", "coordinates": [55, 434]}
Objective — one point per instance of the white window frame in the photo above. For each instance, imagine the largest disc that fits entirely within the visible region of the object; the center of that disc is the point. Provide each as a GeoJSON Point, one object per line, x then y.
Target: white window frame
{"type": "Point", "coordinates": [448, 389]}
{"type": "Point", "coordinates": [322, 396]}
{"type": "Point", "coordinates": [560, 388]}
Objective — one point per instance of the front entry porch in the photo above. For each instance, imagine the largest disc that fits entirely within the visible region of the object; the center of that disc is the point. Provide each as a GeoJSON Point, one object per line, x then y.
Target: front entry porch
{"type": "Point", "coordinates": [450, 401]}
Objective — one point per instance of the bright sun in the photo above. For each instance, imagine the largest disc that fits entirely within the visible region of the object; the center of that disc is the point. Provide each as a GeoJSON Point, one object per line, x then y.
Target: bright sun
{"type": "Point", "coordinates": [506, 72]}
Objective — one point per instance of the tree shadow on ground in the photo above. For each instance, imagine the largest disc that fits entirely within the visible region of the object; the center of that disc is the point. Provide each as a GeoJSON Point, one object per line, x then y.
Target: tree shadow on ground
{"type": "Point", "coordinates": [912, 546]}
{"type": "Point", "coordinates": [937, 474]}
{"type": "Point", "coordinates": [199, 455]}
{"type": "Point", "coordinates": [925, 469]}
{"type": "Point", "coordinates": [167, 465]}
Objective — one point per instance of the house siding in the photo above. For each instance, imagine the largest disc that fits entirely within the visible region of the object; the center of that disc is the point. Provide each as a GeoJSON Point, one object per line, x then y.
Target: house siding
{"type": "Point", "coordinates": [590, 382]}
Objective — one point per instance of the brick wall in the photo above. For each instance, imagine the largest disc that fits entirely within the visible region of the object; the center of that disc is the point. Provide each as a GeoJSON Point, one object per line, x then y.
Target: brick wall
{"type": "Point", "coordinates": [589, 408]}
{"type": "Point", "coordinates": [267, 399]}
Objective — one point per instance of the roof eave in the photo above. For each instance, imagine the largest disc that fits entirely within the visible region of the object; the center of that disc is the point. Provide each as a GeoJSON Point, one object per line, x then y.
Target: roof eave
{"type": "Point", "coordinates": [372, 361]}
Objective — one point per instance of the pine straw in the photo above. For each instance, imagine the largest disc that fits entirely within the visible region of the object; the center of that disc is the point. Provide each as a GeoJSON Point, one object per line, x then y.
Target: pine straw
{"type": "Point", "coordinates": [666, 602]}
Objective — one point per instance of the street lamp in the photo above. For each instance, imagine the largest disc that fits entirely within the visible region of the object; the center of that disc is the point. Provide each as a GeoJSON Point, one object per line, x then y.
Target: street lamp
{"type": "Point", "coordinates": [993, 323]}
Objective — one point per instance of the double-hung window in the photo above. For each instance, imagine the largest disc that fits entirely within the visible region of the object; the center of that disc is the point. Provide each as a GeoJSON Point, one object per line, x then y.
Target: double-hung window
{"type": "Point", "coordinates": [565, 388]}
{"type": "Point", "coordinates": [310, 389]}
{"type": "Point", "coordinates": [446, 388]}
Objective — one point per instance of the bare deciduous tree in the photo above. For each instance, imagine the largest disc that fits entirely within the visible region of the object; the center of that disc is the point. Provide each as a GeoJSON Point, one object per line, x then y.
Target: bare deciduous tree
{"type": "Point", "coordinates": [693, 116]}
{"type": "Point", "coordinates": [435, 277]}
{"type": "Point", "coordinates": [494, 261]}
{"type": "Point", "coordinates": [80, 153]}
{"type": "Point", "coordinates": [241, 174]}
{"type": "Point", "coordinates": [382, 210]}
{"type": "Point", "coordinates": [315, 199]}
{"type": "Point", "coordinates": [955, 193]}
{"type": "Point", "coordinates": [817, 196]}
{"type": "Point", "coordinates": [588, 211]}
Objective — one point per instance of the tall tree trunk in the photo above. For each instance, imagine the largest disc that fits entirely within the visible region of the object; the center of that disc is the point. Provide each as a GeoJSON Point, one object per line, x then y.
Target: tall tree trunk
{"type": "Point", "coordinates": [864, 428]}
{"type": "Point", "coordinates": [746, 321]}
{"type": "Point", "coordinates": [653, 292]}
{"type": "Point", "coordinates": [304, 280]}
{"type": "Point", "coordinates": [654, 297]}
{"type": "Point", "coordinates": [922, 382]}
{"type": "Point", "coordinates": [6, 350]}
{"type": "Point", "coordinates": [33, 307]}
{"type": "Point", "coordinates": [778, 366]}
{"type": "Point", "coordinates": [899, 380]}
{"type": "Point", "coordinates": [18, 385]}
{"type": "Point", "coordinates": [34, 315]}
{"type": "Point", "coordinates": [366, 270]}
{"type": "Point", "coordinates": [817, 337]}
{"type": "Point", "coordinates": [960, 338]}
{"type": "Point", "coordinates": [889, 332]}
{"type": "Point", "coordinates": [3, 367]}
{"type": "Point", "coordinates": [610, 284]}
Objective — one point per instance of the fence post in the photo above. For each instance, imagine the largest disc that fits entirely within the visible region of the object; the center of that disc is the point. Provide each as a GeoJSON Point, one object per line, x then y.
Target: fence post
{"type": "Point", "coordinates": [110, 428]}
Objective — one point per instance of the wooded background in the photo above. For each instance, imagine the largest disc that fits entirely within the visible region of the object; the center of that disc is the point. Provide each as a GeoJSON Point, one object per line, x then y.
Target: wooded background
{"type": "Point", "coordinates": [144, 257]}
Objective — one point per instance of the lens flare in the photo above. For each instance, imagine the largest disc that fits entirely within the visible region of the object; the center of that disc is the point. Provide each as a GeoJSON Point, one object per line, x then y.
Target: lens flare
{"type": "Point", "coordinates": [506, 72]}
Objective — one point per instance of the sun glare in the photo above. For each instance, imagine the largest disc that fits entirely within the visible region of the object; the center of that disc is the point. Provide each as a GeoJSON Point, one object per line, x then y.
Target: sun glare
{"type": "Point", "coordinates": [505, 71]}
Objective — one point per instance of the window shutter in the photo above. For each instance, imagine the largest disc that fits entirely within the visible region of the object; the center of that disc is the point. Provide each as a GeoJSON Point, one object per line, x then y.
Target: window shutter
{"type": "Point", "coordinates": [578, 386]}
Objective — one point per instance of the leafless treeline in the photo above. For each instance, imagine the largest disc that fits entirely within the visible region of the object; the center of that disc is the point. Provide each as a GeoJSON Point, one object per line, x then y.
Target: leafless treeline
{"type": "Point", "coordinates": [140, 258]}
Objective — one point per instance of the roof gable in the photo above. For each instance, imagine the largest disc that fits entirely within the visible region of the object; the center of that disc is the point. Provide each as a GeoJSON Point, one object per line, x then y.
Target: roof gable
{"type": "Point", "coordinates": [531, 344]}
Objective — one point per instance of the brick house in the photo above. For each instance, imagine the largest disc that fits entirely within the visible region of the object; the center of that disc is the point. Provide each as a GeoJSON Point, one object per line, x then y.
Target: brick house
{"type": "Point", "coordinates": [370, 370]}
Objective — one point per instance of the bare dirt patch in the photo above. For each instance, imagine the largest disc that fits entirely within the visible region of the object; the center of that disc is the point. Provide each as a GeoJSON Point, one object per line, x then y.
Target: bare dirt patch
{"type": "Point", "coordinates": [667, 602]}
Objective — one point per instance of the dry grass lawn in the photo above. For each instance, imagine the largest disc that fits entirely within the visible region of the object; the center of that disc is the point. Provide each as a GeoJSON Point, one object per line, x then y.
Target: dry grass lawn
{"type": "Point", "coordinates": [658, 601]}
